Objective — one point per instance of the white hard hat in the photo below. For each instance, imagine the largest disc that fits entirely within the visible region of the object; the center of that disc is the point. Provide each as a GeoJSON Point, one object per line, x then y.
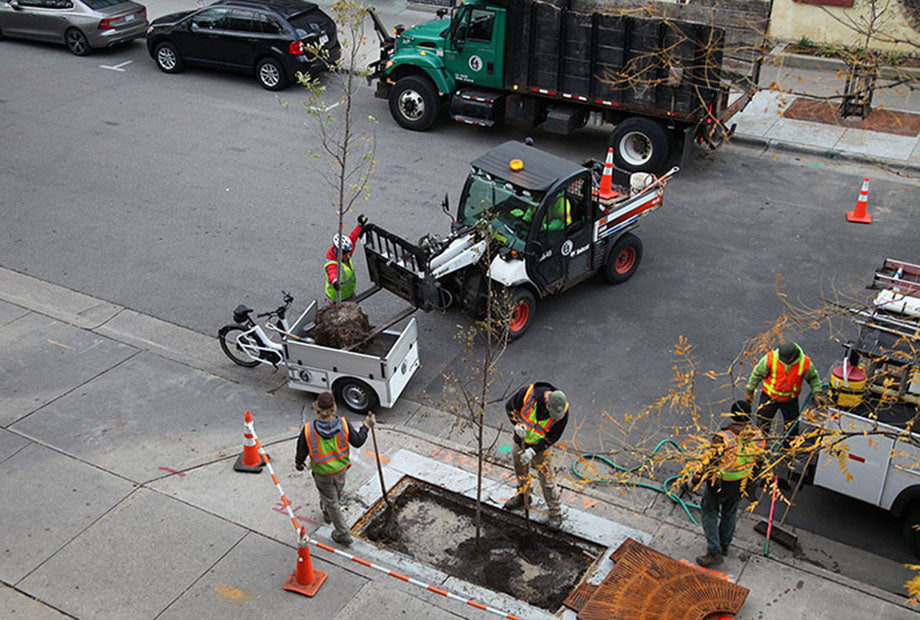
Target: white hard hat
{"type": "Point", "coordinates": [342, 242]}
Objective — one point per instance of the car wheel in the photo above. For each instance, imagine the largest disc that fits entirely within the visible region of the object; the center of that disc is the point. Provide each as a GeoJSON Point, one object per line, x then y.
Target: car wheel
{"type": "Point", "coordinates": [640, 145]}
{"type": "Point", "coordinates": [414, 103]}
{"type": "Point", "coordinates": [76, 42]}
{"type": "Point", "coordinates": [356, 394]}
{"type": "Point", "coordinates": [2, 36]}
{"type": "Point", "coordinates": [270, 74]}
{"type": "Point", "coordinates": [909, 524]}
{"type": "Point", "coordinates": [523, 310]}
{"type": "Point", "coordinates": [623, 259]}
{"type": "Point", "coordinates": [167, 58]}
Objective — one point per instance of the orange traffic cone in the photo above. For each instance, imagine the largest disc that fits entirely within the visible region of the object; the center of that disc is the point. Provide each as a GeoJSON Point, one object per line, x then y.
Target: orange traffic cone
{"type": "Point", "coordinates": [605, 191]}
{"type": "Point", "coordinates": [304, 580]}
{"type": "Point", "coordinates": [861, 213]}
{"type": "Point", "coordinates": [250, 460]}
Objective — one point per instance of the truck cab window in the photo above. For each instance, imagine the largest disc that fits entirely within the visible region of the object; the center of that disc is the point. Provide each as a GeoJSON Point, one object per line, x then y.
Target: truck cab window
{"type": "Point", "coordinates": [481, 22]}
{"type": "Point", "coordinates": [565, 212]}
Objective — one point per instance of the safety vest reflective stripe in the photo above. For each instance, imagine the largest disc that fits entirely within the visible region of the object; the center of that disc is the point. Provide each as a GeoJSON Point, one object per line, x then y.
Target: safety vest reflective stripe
{"type": "Point", "coordinates": [328, 455]}
{"type": "Point", "coordinates": [784, 383]}
{"type": "Point", "coordinates": [536, 430]}
{"type": "Point", "coordinates": [739, 457]}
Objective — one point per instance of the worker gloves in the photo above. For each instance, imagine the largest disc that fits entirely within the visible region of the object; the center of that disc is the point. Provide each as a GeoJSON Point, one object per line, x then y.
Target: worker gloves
{"type": "Point", "coordinates": [362, 219]}
{"type": "Point", "coordinates": [370, 420]}
{"type": "Point", "coordinates": [820, 399]}
{"type": "Point", "coordinates": [336, 285]}
{"type": "Point", "coordinates": [527, 456]}
{"type": "Point", "coordinates": [520, 430]}
{"type": "Point", "coordinates": [749, 395]}
{"type": "Point", "coordinates": [298, 466]}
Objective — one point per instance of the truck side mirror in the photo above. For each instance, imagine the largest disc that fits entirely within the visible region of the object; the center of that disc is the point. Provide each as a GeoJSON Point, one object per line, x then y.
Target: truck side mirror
{"type": "Point", "coordinates": [441, 13]}
{"type": "Point", "coordinates": [445, 205]}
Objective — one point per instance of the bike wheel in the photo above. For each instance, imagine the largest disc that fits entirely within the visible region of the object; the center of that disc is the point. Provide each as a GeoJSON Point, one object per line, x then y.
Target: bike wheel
{"type": "Point", "coordinates": [230, 337]}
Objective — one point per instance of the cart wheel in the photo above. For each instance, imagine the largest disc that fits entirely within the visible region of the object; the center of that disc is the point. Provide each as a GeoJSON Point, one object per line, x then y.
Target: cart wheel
{"type": "Point", "coordinates": [356, 394]}
{"type": "Point", "coordinates": [623, 259]}
{"type": "Point", "coordinates": [523, 309]}
{"type": "Point", "coordinates": [230, 337]}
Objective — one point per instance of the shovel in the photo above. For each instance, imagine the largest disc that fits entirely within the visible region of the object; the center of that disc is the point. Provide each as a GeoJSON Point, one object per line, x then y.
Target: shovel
{"type": "Point", "coordinates": [390, 514]}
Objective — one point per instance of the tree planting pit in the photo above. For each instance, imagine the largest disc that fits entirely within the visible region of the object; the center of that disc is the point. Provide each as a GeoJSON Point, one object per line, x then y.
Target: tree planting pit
{"type": "Point", "coordinates": [438, 527]}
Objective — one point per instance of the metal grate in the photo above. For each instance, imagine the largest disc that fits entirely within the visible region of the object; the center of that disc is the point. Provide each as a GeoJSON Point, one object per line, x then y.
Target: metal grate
{"type": "Point", "coordinates": [647, 585]}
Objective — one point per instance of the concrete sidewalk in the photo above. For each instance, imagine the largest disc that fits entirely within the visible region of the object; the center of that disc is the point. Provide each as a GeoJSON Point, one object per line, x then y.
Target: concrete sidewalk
{"type": "Point", "coordinates": [118, 437]}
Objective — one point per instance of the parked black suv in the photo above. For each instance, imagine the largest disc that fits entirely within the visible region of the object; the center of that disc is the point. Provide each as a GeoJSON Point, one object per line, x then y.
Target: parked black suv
{"type": "Point", "coordinates": [270, 38]}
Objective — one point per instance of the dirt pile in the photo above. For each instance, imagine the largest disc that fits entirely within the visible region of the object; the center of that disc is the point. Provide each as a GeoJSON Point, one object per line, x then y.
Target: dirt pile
{"type": "Point", "coordinates": [341, 325]}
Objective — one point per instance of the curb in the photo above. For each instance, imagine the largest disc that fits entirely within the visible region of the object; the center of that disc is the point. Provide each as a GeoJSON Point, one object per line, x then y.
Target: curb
{"type": "Point", "coordinates": [780, 57]}
{"type": "Point", "coordinates": [909, 168]}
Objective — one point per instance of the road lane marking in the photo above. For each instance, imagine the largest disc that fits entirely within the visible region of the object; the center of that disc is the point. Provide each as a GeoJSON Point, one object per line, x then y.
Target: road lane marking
{"type": "Point", "coordinates": [117, 67]}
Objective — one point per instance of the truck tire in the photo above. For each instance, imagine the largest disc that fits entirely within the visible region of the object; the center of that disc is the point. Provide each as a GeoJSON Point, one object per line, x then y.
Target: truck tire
{"type": "Point", "coordinates": [623, 259]}
{"type": "Point", "coordinates": [909, 522]}
{"type": "Point", "coordinates": [523, 309]}
{"type": "Point", "coordinates": [640, 145]}
{"type": "Point", "coordinates": [356, 394]}
{"type": "Point", "coordinates": [414, 103]}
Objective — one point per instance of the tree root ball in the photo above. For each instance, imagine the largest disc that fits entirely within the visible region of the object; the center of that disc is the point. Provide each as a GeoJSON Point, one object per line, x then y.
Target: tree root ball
{"type": "Point", "coordinates": [340, 326]}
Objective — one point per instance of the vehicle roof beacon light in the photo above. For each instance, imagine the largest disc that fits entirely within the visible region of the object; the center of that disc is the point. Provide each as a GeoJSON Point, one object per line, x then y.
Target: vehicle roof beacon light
{"type": "Point", "coordinates": [516, 164]}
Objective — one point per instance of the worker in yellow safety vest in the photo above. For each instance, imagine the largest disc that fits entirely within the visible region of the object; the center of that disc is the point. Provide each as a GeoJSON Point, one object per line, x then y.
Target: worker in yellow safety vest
{"type": "Point", "coordinates": [728, 470]}
{"type": "Point", "coordinates": [783, 371]}
{"type": "Point", "coordinates": [341, 284]}
{"type": "Point", "coordinates": [539, 413]}
{"type": "Point", "coordinates": [326, 440]}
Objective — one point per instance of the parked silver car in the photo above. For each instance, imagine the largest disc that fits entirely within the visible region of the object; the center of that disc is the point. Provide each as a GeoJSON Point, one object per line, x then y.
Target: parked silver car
{"type": "Point", "coordinates": [80, 24]}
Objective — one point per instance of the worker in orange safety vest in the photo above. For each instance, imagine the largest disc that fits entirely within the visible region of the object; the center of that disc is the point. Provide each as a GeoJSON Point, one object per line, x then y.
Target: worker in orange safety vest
{"type": "Point", "coordinates": [783, 371]}
{"type": "Point", "coordinates": [728, 470]}
{"type": "Point", "coordinates": [326, 440]}
{"type": "Point", "coordinates": [539, 413]}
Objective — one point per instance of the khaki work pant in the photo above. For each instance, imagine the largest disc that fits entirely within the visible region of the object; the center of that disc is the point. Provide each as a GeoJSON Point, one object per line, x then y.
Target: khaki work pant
{"type": "Point", "coordinates": [331, 488]}
{"type": "Point", "coordinates": [543, 464]}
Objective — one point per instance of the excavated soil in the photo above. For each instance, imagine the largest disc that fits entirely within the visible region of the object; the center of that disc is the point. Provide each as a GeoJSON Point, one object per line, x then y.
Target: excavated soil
{"type": "Point", "coordinates": [341, 325]}
{"type": "Point", "coordinates": [437, 527]}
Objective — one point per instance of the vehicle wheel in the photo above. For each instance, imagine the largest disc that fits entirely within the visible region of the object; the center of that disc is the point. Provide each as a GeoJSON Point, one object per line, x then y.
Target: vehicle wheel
{"type": "Point", "coordinates": [623, 259]}
{"type": "Point", "coordinates": [414, 103]}
{"type": "Point", "coordinates": [356, 394]}
{"type": "Point", "coordinates": [640, 145]}
{"type": "Point", "coordinates": [167, 58]}
{"type": "Point", "coordinates": [76, 42]}
{"type": "Point", "coordinates": [270, 74]}
{"type": "Point", "coordinates": [523, 310]}
{"type": "Point", "coordinates": [909, 521]}
{"type": "Point", "coordinates": [228, 336]}
{"type": "Point", "coordinates": [2, 36]}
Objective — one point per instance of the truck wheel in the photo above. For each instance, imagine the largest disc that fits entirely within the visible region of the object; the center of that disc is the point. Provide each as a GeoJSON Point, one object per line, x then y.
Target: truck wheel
{"type": "Point", "coordinates": [356, 394]}
{"type": "Point", "coordinates": [523, 308]}
{"type": "Point", "coordinates": [623, 259]}
{"type": "Point", "coordinates": [414, 103]}
{"type": "Point", "coordinates": [640, 145]}
{"type": "Point", "coordinates": [909, 522]}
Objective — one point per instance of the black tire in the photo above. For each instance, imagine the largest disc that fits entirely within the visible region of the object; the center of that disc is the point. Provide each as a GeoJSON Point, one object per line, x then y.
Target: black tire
{"type": "Point", "coordinates": [168, 58]}
{"type": "Point", "coordinates": [640, 145]}
{"type": "Point", "coordinates": [414, 103]}
{"type": "Point", "coordinates": [270, 73]}
{"type": "Point", "coordinates": [523, 310]}
{"type": "Point", "coordinates": [623, 259]}
{"type": "Point", "coordinates": [76, 42]}
{"type": "Point", "coordinates": [355, 394]}
{"type": "Point", "coordinates": [910, 520]}
{"type": "Point", "coordinates": [228, 342]}
{"type": "Point", "coordinates": [2, 36]}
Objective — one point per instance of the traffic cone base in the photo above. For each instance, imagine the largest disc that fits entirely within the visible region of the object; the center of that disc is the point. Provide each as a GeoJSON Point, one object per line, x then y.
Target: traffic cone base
{"type": "Point", "coordinates": [291, 584]}
{"type": "Point", "coordinates": [241, 465]}
{"type": "Point", "coordinates": [861, 218]}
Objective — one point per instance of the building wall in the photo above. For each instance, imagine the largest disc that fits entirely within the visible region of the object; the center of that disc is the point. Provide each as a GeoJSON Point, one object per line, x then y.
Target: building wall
{"type": "Point", "coordinates": [791, 20]}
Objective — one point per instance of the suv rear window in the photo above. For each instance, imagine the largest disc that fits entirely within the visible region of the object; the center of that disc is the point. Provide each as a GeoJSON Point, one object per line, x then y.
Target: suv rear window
{"type": "Point", "coordinates": [308, 20]}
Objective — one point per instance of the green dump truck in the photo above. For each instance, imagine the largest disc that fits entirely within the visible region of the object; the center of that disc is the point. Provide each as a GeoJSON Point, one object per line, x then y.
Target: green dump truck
{"type": "Point", "coordinates": [663, 82]}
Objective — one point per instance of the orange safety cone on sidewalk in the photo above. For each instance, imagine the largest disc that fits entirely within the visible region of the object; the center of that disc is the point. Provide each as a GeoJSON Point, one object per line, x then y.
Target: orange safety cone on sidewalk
{"type": "Point", "coordinates": [861, 212]}
{"type": "Point", "coordinates": [605, 191]}
{"type": "Point", "coordinates": [250, 461]}
{"type": "Point", "coordinates": [304, 580]}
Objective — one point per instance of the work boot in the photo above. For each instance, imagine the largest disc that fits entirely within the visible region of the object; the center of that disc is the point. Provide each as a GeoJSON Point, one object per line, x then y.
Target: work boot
{"type": "Point", "coordinates": [725, 551]}
{"type": "Point", "coordinates": [515, 503]}
{"type": "Point", "coordinates": [342, 539]}
{"type": "Point", "coordinates": [554, 523]}
{"type": "Point", "coordinates": [326, 518]}
{"type": "Point", "coordinates": [709, 560]}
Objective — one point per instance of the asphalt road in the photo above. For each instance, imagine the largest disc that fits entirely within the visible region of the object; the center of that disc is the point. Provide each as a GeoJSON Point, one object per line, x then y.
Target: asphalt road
{"type": "Point", "coordinates": [181, 196]}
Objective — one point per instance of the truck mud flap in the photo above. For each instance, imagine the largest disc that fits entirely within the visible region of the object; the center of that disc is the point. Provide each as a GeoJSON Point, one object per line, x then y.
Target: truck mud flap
{"type": "Point", "coordinates": [400, 267]}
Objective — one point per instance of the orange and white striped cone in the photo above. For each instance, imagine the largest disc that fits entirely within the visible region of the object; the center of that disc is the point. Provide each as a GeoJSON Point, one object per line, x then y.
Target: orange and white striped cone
{"type": "Point", "coordinates": [861, 213]}
{"type": "Point", "coordinates": [249, 461]}
{"type": "Point", "coordinates": [304, 580]}
{"type": "Point", "coordinates": [605, 191]}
